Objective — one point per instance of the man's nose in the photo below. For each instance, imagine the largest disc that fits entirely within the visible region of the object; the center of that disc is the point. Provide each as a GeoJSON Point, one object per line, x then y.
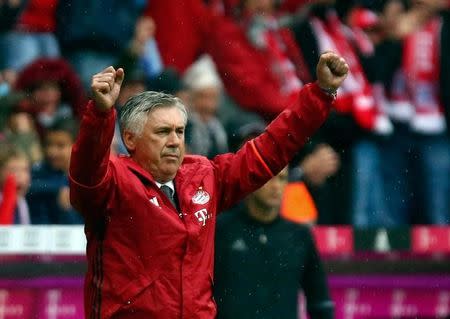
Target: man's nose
{"type": "Point", "coordinates": [174, 139]}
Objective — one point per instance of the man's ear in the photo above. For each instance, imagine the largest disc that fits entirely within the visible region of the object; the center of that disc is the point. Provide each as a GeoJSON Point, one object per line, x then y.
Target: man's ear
{"type": "Point", "coordinates": [129, 139]}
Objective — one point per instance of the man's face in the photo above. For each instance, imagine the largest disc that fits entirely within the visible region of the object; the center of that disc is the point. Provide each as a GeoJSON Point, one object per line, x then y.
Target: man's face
{"type": "Point", "coordinates": [47, 95]}
{"type": "Point", "coordinates": [271, 194]}
{"type": "Point", "coordinates": [160, 147]}
{"type": "Point", "coordinates": [57, 149]}
{"type": "Point", "coordinates": [205, 102]}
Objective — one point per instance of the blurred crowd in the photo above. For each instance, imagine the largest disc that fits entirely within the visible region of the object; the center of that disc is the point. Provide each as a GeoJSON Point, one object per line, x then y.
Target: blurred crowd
{"type": "Point", "coordinates": [381, 159]}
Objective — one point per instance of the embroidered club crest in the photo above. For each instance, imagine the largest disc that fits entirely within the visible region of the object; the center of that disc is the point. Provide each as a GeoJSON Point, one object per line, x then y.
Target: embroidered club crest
{"type": "Point", "coordinates": [201, 197]}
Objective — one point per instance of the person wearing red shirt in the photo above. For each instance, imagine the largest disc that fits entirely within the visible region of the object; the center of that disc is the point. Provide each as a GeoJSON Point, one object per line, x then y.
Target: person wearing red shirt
{"type": "Point", "coordinates": [32, 35]}
{"type": "Point", "coordinates": [150, 217]}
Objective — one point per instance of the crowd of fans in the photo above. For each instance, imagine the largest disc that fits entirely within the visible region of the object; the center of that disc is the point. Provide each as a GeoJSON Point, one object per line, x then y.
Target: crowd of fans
{"type": "Point", "coordinates": [381, 159]}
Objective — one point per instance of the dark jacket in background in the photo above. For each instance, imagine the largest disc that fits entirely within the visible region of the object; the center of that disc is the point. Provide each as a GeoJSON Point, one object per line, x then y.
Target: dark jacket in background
{"type": "Point", "coordinates": [43, 197]}
{"type": "Point", "coordinates": [260, 268]}
{"type": "Point", "coordinates": [9, 15]}
{"type": "Point", "coordinates": [97, 25]}
{"type": "Point", "coordinates": [445, 66]}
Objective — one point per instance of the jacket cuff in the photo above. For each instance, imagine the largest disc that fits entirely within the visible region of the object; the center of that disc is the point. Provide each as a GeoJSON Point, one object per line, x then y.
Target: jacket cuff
{"type": "Point", "coordinates": [328, 94]}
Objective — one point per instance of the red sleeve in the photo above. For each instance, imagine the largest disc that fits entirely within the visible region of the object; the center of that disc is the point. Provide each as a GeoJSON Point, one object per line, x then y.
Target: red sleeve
{"type": "Point", "coordinates": [90, 174]}
{"type": "Point", "coordinates": [265, 156]}
{"type": "Point", "coordinates": [9, 200]}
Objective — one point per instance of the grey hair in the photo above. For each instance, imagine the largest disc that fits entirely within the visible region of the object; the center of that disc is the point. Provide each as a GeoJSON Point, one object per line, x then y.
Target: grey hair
{"type": "Point", "coordinates": [133, 115]}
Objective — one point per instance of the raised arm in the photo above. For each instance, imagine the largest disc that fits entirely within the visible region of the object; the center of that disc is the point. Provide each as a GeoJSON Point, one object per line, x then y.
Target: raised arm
{"type": "Point", "coordinates": [265, 156]}
{"type": "Point", "coordinates": [90, 177]}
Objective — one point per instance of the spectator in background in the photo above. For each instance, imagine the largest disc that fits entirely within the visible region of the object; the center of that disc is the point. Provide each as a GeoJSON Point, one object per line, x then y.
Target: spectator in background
{"type": "Point", "coordinates": [369, 204]}
{"type": "Point", "coordinates": [445, 63]}
{"type": "Point", "coordinates": [14, 184]}
{"type": "Point", "coordinates": [21, 132]}
{"type": "Point", "coordinates": [142, 53]}
{"type": "Point", "coordinates": [242, 66]}
{"type": "Point", "coordinates": [17, 126]}
{"type": "Point", "coordinates": [263, 261]}
{"type": "Point", "coordinates": [265, 32]}
{"type": "Point", "coordinates": [48, 196]}
{"type": "Point", "coordinates": [32, 34]}
{"type": "Point", "coordinates": [53, 90]}
{"type": "Point", "coordinates": [418, 174]}
{"type": "Point", "coordinates": [205, 134]}
{"type": "Point", "coordinates": [357, 188]}
{"type": "Point", "coordinates": [92, 34]}
{"type": "Point", "coordinates": [313, 170]}
{"type": "Point", "coordinates": [9, 13]}
{"type": "Point", "coordinates": [7, 81]}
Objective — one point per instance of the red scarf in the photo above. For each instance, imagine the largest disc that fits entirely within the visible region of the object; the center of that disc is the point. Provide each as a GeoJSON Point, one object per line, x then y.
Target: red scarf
{"type": "Point", "coordinates": [356, 93]}
{"type": "Point", "coordinates": [421, 67]}
{"type": "Point", "coordinates": [265, 34]}
{"type": "Point", "coordinates": [8, 201]}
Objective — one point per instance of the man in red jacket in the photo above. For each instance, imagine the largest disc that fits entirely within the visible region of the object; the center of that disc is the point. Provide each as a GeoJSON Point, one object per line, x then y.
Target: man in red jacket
{"type": "Point", "coordinates": [150, 216]}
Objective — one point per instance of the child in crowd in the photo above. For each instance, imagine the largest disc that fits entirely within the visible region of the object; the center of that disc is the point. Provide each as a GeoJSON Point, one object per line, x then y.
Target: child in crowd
{"type": "Point", "coordinates": [14, 184]}
{"type": "Point", "coordinates": [49, 192]}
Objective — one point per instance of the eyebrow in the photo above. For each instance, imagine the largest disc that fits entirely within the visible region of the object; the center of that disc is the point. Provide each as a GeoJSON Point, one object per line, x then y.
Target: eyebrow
{"type": "Point", "coordinates": [170, 127]}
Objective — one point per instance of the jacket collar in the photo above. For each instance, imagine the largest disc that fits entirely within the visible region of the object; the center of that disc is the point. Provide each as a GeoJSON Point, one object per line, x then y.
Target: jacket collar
{"type": "Point", "coordinates": [145, 176]}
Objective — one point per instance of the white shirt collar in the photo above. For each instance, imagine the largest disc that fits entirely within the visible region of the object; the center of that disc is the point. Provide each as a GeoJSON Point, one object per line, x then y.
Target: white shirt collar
{"type": "Point", "coordinates": [169, 184]}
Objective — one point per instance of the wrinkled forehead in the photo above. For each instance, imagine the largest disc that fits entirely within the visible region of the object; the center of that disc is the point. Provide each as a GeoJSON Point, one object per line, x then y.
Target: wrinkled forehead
{"type": "Point", "coordinates": [167, 115]}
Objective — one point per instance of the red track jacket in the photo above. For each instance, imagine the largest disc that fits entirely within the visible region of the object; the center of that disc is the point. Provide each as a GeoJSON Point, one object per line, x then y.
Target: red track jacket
{"type": "Point", "coordinates": [144, 261]}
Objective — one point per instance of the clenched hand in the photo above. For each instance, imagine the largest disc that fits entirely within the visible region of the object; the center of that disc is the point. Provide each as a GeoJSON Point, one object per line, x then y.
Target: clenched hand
{"type": "Point", "coordinates": [331, 71]}
{"type": "Point", "coordinates": [106, 87]}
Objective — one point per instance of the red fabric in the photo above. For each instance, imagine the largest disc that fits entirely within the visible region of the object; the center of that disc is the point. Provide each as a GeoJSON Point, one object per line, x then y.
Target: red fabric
{"type": "Point", "coordinates": [421, 65]}
{"type": "Point", "coordinates": [38, 16]}
{"type": "Point", "coordinates": [415, 87]}
{"type": "Point", "coordinates": [186, 21]}
{"type": "Point", "coordinates": [267, 39]}
{"type": "Point", "coordinates": [292, 5]}
{"type": "Point", "coordinates": [230, 7]}
{"type": "Point", "coordinates": [363, 18]}
{"type": "Point", "coordinates": [8, 201]}
{"type": "Point", "coordinates": [143, 260]}
{"type": "Point", "coordinates": [356, 93]}
{"type": "Point", "coordinates": [264, 35]}
{"type": "Point", "coordinates": [245, 70]}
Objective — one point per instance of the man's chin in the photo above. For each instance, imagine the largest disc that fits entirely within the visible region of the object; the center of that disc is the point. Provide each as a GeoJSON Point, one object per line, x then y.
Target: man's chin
{"type": "Point", "coordinates": [170, 170]}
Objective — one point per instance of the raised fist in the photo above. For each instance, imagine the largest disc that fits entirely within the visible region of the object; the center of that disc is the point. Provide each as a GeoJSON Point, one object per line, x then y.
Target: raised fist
{"type": "Point", "coordinates": [106, 87]}
{"type": "Point", "coordinates": [331, 71]}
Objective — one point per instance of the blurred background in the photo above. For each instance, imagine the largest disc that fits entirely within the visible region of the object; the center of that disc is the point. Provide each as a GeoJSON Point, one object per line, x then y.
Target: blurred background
{"type": "Point", "coordinates": [373, 184]}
